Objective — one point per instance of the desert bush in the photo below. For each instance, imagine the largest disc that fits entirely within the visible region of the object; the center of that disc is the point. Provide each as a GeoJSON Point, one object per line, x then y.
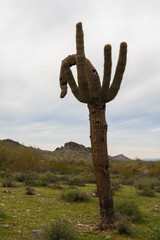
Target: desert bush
{"type": "Point", "coordinates": [16, 157]}
{"type": "Point", "coordinates": [62, 166]}
{"type": "Point", "coordinates": [30, 191]}
{"type": "Point", "coordinates": [127, 208]}
{"type": "Point", "coordinates": [128, 181]}
{"type": "Point", "coordinates": [61, 230]}
{"type": "Point", "coordinates": [76, 181]}
{"type": "Point", "coordinates": [124, 225]}
{"type": "Point", "coordinates": [75, 196]}
{"type": "Point", "coordinates": [89, 178]}
{"type": "Point", "coordinates": [8, 182]}
{"type": "Point", "coordinates": [20, 176]}
{"type": "Point", "coordinates": [42, 180]}
{"type": "Point", "coordinates": [5, 174]}
{"type": "Point", "coordinates": [147, 192]}
{"type": "Point", "coordinates": [115, 185]}
{"type": "Point", "coordinates": [144, 182]}
{"type": "Point", "coordinates": [52, 178]}
{"type": "Point", "coordinates": [57, 186]}
{"type": "Point", "coordinates": [31, 178]}
{"type": "Point", "coordinates": [157, 189]}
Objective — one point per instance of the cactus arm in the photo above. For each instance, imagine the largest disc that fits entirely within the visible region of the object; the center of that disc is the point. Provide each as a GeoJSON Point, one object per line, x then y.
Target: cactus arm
{"type": "Point", "coordinates": [62, 79]}
{"type": "Point", "coordinates": [70, 79]}
{"type": "Point", "coordinates": [115, 86]}
{"type": "Point", "coordinates": [107, 72]}
{"type": "Point", "coordinates": [66, 76]}
{"type": "Point", "coordinates": [63, 83]}
{"type": "Point", "coordinates": [80, 61]}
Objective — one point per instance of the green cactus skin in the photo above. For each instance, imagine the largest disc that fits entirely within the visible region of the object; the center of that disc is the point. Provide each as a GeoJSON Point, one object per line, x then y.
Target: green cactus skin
{"type": "Point", "coordinates": [90, 91]}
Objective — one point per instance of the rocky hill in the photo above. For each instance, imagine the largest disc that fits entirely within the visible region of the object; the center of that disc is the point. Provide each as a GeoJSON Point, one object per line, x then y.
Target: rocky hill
{"type": "Point", "coordinates": [72, 150]}
{"type": "Point", "coordinates": [120, 157]}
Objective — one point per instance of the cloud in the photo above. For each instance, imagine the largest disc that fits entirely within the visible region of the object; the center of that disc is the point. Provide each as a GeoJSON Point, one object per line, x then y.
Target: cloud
{"type": "Point", "coordinates": [35, 37]}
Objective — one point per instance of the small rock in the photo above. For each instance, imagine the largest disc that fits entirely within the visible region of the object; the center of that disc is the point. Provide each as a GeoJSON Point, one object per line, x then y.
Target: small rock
{"type": "Point", "coordinates": [80, 225]}
{"type": "Point", "coordinates": [38, 231]}
{"type": "Point", "coordinates": [133, 225]}
{"type": "Point", "coordinates": [6, 225]}
{"type": "Point", "coordinates": [6, 191]}
{"type": "Point", "coordinates": [93, 194]}
{"type": "Point", "coordinates": [107, 237]}
{"type": "Point", "coordinates": [1, 219]}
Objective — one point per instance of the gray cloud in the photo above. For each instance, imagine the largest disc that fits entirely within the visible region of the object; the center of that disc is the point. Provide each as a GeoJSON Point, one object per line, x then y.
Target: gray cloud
{"type": "Point", "coordinates": [37, 34]}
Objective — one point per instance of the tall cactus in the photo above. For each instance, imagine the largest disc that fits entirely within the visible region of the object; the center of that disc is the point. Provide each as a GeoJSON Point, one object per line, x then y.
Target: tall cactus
{"type": "Point", "coordinates": [89, 90]}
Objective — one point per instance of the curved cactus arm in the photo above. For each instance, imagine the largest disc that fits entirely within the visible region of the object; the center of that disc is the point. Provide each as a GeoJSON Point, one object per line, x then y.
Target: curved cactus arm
{"type": "Point", "coordinates": [115, 86]}
{"type": "Point", "coordinates": [63, 82]}
{"type": "Point", "coordinates": [66, 76]}
{"type": "Point", "coordinates": [107, 72]}
{"type": "Point", "coordinates": [71, 59]}
{"type": "Point", "coordinates": [70, 79]}
{"type": "Point", "coordinates": [80, 60]}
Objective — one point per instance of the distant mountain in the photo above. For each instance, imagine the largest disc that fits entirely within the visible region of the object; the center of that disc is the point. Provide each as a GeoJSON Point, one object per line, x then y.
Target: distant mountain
{"type": "Point", "coordinates": [70, 150]}
{"type": "Point", "coordinates": [121, 157]}
{"type": "Point", "coordinates": [150, 159]}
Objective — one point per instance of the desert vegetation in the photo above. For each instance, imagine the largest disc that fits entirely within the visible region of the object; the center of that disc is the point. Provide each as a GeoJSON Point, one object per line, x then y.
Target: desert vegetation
{"type": "Point", "coordinates": [58, 195]}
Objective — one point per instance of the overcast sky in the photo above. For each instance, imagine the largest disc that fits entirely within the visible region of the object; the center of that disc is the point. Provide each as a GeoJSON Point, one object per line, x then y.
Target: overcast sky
{"type": "Point", "coordinates": [36, 35]}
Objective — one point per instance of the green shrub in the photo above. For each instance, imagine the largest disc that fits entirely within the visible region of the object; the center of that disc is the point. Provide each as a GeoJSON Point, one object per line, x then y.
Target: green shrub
{"type": "Point", "coordinates": [52, 178]}
{"type": "Point", "coordinates": [124, 225]}
{"type": "Point", "coordinates": [30, 191]}
{"type": "Point", "coordinates": [157, 189]}
{"type": "Point", "coordinates": [5, 174]}
{"type": "Point", "coordinates": [75, 196]}
{"type": "Point", "coordinates": [8, 182]}
{"type": "Point", "coordinates": [76, 181]}
{"type": "Point", "coordinates": [90, 178]}
{"type": "Point", "coordinates": [128, 181]}
{"type": "Point", "coordinates": [57, 186]}
{"type": "Point", "coordinates": [147, 192]}
{"type": "Point", "coordinates": [147, 182]}
{"type": "Point", "coordinates": [127, 208]}
{"type": "Point", "coordinates": [115, 186]}
{"type": "Point", "coordinates": [61, 230]}
{"type": "Point", "coordinates": [32, 178]}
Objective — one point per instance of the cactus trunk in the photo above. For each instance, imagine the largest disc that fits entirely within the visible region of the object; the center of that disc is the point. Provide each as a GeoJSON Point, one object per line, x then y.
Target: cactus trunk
{"type": "Point", "coordinates": [98, 135]}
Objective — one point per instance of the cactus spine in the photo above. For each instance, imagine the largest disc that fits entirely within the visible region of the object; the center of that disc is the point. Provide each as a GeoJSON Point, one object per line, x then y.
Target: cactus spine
{"type": "Point", "coordinates": [89, 90]}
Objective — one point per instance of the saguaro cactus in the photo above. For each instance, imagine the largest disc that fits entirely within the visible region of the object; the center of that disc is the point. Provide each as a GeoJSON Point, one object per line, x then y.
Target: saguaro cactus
{"type": "Point", "coordinates": [89, 90]}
